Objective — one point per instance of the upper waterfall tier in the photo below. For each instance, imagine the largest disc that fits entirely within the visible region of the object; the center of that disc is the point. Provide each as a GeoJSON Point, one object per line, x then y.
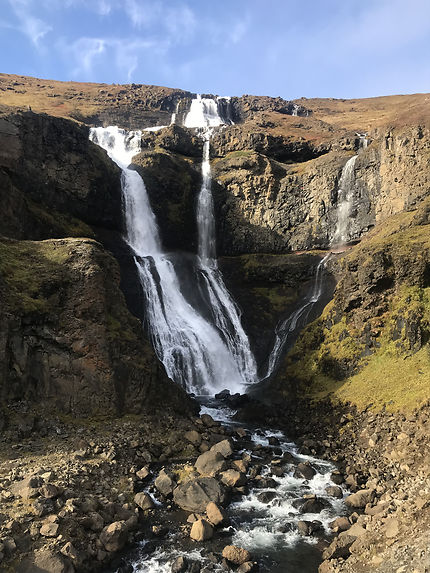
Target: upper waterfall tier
{"type": "Point", "coordinates": [203, 113]}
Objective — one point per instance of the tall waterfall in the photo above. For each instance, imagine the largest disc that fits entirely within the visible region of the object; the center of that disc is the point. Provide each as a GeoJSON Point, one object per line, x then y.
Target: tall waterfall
{"type": "Point", "coordinates": [298, 318]}
{"type": "Point", "coordinates": [346, 197]}
{"type": "Point", "coordinates": [195, 353]}
{"type": "Point", "coordinates": [204, 115]}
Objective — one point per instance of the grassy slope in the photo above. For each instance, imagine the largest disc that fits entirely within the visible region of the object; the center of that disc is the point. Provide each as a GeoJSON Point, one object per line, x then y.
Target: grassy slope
{"type": "Point", "coordinates": [331, 357]}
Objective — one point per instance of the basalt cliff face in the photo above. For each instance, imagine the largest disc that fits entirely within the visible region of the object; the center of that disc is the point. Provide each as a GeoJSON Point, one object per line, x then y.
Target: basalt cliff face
{"type": "Point", "coordinates": [71, 336]}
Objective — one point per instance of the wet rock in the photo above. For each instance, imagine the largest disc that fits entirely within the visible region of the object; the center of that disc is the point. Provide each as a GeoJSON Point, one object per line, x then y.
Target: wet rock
{"type": "Point", "coordinates": [236, 555]}
{"type": "Point", "coordinates": [334, 491]}
{"type": "Point", "coordinates": [144, 501]}
{"type": "Point", "coordinates": [267, 496]}
{"type": "Point", "coordinates": [314, 505]}
{"type": "Point", "coordinates": [337, 478]}
{"type": "Point", "coordinates": [114, 536]}
{"type": "Point", "coordinates": [308, 528]}
{"type": "Point", "coordinates": [304, 470]}
{"type": "Point", "coordinates": [215, 514]}
{"type": "Point", "coordinates": [208, 421]}
{"type": "Point", "coordinates": [195, 495]}
{"type": "Point", "coordinates": [165, 483]}
{"type": "Point", "coordinates": [360, 499]}
{"type": "Point", "coordinates": [179, 565]}
{"type": "Point", "coordinates": [201, 530]}
{"type": "Point", "coordinates": [210, 463]}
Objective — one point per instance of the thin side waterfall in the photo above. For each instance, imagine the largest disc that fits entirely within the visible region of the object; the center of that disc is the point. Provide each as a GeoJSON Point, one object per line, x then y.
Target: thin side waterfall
{"type": "Point", "coordinates": [296, 319]}
{"type": "Point", "coordinates": [346, 197]}
{"type": "Point", "coordinates": [192, 350]}
{"type": "Point", "coordinates": [226, 315]}
{"type": "Point", "coordinates": [295, 110]}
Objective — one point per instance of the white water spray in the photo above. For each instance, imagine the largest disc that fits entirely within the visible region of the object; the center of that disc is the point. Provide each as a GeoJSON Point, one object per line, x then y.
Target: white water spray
{"type": "Point", "coordinates": [192, 350]}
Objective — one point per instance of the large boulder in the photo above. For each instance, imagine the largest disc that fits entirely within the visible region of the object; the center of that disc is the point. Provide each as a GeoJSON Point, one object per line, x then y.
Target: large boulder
{"type": "Point", "coordinates": [201, 530]}
{"type": "Point", "coordinates": [360, 499]}
{"type": "Point", "coordinates": [210, 463]}
{"type": "Point", "coordinates": [114, 536]}
{"type": "Point", "coordinates": [194, 495]}
{"type": "Point", "coordinates": [165, 482]}
{"type": "Point", "coordinates": [236, 555]}
{"type": "Point", "coordinates": [225, 448]}
{"type": "Point", "coordinates": [144, 501]}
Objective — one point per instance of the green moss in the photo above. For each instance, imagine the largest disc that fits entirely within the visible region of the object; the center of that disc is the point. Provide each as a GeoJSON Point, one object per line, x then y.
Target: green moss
{"type": "Point", "coordinates": [31, 271]}
{"type": "Point", "coordinates": [60, 224]}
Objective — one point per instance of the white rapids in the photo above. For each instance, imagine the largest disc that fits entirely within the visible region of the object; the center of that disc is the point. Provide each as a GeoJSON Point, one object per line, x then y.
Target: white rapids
{"type": "Point", "coordinates": [193, 351]}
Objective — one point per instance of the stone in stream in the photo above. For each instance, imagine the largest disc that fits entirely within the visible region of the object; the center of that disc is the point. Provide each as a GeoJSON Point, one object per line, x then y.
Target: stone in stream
{"type": "Point", "coordinates": [308, 528]}
{"type": "Point", "coordinates": [165, 482]}
{"type": "Point", "coordinates": [267, 496]}
{"type": "Point", "coordinates": [143, 473]}
{"type": "Point", "coordinates": [334, 491]}
{"type": "Point", "coordinates": [210, 463]}
{"type": "Point", "coordinates": [314, 505]}
{"type": "Point", "coordinates": [236, 555]}
{"type": "Point", "coordinates": [144, 501]}
{"type": "Point", "coordinates": [179, 565]}
{"type": "Point", "coordinates": [194, 495]}
{"type": "Point", "coordinates": [304, 470]}
{"type": "Point", "coordinates": [337, 478]}
{"type": "Point", "coordinates": [201, 530]}
{"type": "Point", "coordinates": [208, 421]}
{"type": "Point", "coordinates": [246, 567]}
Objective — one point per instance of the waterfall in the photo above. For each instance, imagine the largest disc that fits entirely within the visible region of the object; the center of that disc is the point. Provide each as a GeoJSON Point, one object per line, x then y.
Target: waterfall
{"type": "Point", "coordinates": [194, 352]}
{"type": "Point", "coordinates": [346, 197]}
{"type": "Point", "coordinates": [204, 115]}
{"type": "Point", "coordinates": [296, 319]}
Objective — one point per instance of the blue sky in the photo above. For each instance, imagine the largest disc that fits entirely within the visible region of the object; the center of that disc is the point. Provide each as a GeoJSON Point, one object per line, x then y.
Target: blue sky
{"type": "Point", "coordinates": [291, 48]}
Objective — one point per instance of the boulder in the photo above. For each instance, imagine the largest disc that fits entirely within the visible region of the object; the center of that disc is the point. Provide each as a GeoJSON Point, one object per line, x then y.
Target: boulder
{"type": "Point", "coordinates": [46, 561]}
{"type": "Point", "coordinates": [193, 437]}
{"type": "Point", "coordinates": [216, 514]}
{"type": "Point", "coordinates": [224, 447]}
{"type": "Point", "coordinates": [339, 548]}
{"type": "Point", "coordinates": [210, 463]}
{"type": "Point", "coordinates": [340, 524]}
{"type": "Point", "coordinates": [201, 530]}
{"type": "Point", "coordinates": [49, 529]}
{"type": "Point", "coordinates": [314, 505]}
{"type": "Point", "coordinates": [143, 473]}
{"type": "Point", "coordinates": [360, 499]}
{"type": "Point", "coordinates": [233, 478]}
{"type": "Point", "coordinates": [304, 470]}
{"type": "Point", "coordinates": [114, 536]}
{"type": "Point", "coordinates": [179, 565]}
{"type": "Point", "coordinates": [246, 567]}
{"type": "Point", "coordinates": [267, 496]}
{"type": "Point", "coordinates": [144, 501]}
{"type": "Point", "coordinates": [236, 555]}
{"type": "Point", "coordinates": [208, 421]}
{"type": "Point", "coordinates": [194, 495]}
{"type": "Point", "coordinates": [165, 483]}
{"type": "Point", "coordinates": [334, 491]}
{"type": "Point", "coordinates": [50, 491]}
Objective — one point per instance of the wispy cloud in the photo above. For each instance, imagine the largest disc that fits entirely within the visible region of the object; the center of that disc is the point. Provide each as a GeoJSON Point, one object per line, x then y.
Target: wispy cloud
{"type": "Point", "coordinates": [239, 30]}
{"type": "Point", "coordinates": [181, 23]}
{"type": "Point", "coordinates": [33, 27]}
{"type": "Point", "coordinates": [143, 13]}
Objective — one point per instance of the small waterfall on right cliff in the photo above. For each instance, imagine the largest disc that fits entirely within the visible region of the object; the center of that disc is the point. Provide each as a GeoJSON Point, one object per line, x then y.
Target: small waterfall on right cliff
{"type": "Point", "coordinates": [346, 199]}
{"type": "Point", "coordinates": [297, 319]}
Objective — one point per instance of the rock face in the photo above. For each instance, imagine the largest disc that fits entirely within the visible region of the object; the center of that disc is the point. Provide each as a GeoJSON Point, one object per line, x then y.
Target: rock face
{"type": "Point", "coordinates": [66, 335]}
{"type": "Point", "coordinates": [55, 178]}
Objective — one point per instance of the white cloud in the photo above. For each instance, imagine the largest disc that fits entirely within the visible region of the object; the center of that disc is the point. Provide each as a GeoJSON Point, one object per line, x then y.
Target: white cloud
{"type": "Point", "coordinates": [143, 13]}
{"type": "Point", "coordinates": [239, 29]}
{"type": "Point", "coordinates": [84, 52]}
{"type": "Point", "coordinates": [34, 28]}
{"type": "Point", "coordinates": [181, 23]}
